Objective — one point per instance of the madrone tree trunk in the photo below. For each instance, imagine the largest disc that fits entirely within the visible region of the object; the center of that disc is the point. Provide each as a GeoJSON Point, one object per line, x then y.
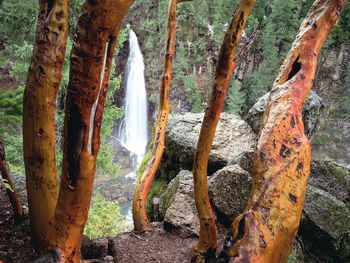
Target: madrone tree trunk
{"type": "Point", "coordinates": [207, 237]}
{"type": "Point", "coordinates": [39, 142]}
{"type": "Point", "coordinates": [281, 165]}
{"type": "Point", "coordinates": [91, 58]}
{"type": "Point", "coordinates": [10, 186]}
{"type": "Point", "coordinates": [153, 157]}
{"type": "Point", "coordinates": [58, 222]}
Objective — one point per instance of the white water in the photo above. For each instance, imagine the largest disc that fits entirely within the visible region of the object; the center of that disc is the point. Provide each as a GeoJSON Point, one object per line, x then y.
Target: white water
{"type": "Point", "coordinates": [133, 130]}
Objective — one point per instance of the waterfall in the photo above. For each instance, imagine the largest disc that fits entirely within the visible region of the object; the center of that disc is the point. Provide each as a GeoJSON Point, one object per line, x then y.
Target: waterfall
{"type": "Point", "coordinates": [133, 130]}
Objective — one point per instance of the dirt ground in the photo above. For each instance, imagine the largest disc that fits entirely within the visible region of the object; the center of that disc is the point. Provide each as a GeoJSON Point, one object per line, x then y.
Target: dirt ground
{"type": "Point", "coordinates": [14, 240]}
{"type": "Point", "coordinates": [160, 246]}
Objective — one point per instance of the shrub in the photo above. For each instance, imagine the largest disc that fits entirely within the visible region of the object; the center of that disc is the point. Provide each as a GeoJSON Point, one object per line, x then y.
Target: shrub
{"type": "Point", "coordinates": [105, 219]}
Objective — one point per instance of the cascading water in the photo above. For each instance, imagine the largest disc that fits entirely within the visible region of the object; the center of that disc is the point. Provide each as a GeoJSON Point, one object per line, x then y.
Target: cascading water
{"type": "Point", "coordinates": [133, 130]}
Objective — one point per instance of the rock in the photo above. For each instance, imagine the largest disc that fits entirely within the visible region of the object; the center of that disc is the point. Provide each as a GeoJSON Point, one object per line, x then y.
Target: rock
{"type": "Point", "coordinates": [325, 226]}
{"type": "Point", "coordinates": [233, 137]}
{"type": "Point", "coordinates": [95, 248]}
{"type": "Point", "coordinates": [312, 111]}
{"type": "Point", "coordinates": [332, 178]}
{"type": "Point", "coordinates": [229, 189]}
{"type": "Point", "coordinates": [20, 186]}
{"type": "Point", "coordinates": [244, 160]}
{"type": "Point", "coordinates": [181, 213]}
{"type": "Point", "coordinates": [167, 198]}
{"type": "Point", "coordinates": [108, 259]}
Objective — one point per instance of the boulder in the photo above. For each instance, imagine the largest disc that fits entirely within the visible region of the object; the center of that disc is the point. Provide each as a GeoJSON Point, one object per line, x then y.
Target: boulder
{"type": "Point", "coordinates": [332, 178]}
{"type": "Point", "coordinates": [325, 226]}
{"type": "Point", "coordinates": [229, 189]}
{"type": "Point", "coordinates": [233, 137]}
{"type": "Point", "coordinates": [312, 111]}
{"type": "Point", "coordinates": [179, 206]}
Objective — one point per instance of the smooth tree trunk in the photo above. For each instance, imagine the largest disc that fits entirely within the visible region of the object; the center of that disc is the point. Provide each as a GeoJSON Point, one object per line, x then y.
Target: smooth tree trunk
{"type": "Point", "coordinates": [281, 165]}
{"type": "Point", "coordinates": [91, 58]}
{"type": "Point", "coordinates": [207, 238]}
{"type": "Point", "coordinates": [39, 142]}
{"type": "Point", "coordinates": [10, 188]}
{"type": "Point", "coordinates": [153, 157]}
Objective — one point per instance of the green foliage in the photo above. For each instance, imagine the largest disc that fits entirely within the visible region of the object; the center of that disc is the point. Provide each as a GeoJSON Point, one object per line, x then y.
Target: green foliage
{"type": "Point", "coordinates": [10, 127]}
{"type": "Point", "coordinates": [20, 55]}
{"type": "Point", "coordinates": [105, 219]}
{"type": "Point", "coordinates": [6, 184]}
{"type": "Point", "coordinates": [276, 39]}
{"type": "Point", "coordinates": [156, 190]}
{"type": "Point", "coordinates": [181, 65]}
{"type": "Point", "coordinates": [192, 94]}
{"type": "Point", "coordinates": [74, 10]}
{"type": "Point", "coordinates": [105, 158]}
{"type": "Point", "coordinates": [344, 98]}
{"type": "Point", "coordinates": [18, 21]}
{"type": "Point", "coordinates": [235, 98]}
{"type": "Point", "coordinates": [14, 151]}
{"type": "Point", "coordinates": [293, 257]}
{"type": "Point", "coordinates": [11, 110]}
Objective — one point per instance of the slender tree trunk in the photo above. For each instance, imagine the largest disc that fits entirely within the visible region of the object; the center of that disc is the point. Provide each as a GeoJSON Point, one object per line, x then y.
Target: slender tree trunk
{"type": "Point", "coordinates": [12, 193]}
{"type": "Point", "coordinates": [152, 159]}
{"type": "Point", "coordinates": [91, 58]}
{"type": "Point", "coordinates": [267, 228]}
{"type": "Point", "coordinates": [207, 238]}
{"type": "Point", "coordinates": [44, 78]}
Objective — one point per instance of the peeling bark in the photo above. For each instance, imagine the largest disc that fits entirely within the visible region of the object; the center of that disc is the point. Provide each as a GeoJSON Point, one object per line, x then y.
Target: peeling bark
{"type": "Point", "coordinates": [12, 193]}
{"type": "Point", "coordinates": [281, 165]}
{"type": "Point", "coordinates": [152, 159]}
{"type": "Point", "coordinates": [91, 59]}
{"type": "Point", "coordinates": [39, 142]}
{"type": "Point", "coordinates": [207, 238]}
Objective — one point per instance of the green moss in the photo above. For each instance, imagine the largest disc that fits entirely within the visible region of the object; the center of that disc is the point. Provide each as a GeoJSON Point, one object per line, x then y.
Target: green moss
{"type": "Point", "coordinates": [157, 188]}
{"type": "Point", "coordinates": [321, 139]}
{"type": "Point", "coordinates": [143, 166]}
{"type": "Point", "coordinates": [168, 197]}
{"type": "Point", "coordinates": [293, 257]}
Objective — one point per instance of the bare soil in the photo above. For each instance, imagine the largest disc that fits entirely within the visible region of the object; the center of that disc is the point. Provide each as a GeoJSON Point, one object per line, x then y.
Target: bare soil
{"type": "Point", "coordinates": [14, 239]}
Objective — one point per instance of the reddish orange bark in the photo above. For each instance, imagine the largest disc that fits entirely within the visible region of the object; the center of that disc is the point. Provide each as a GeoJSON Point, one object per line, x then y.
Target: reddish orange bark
{"type": "Point", "coordinates": [39, 141]}
{"type": "Point", "coordinates": [207, 239]}
{"type": "Point", "coordinates": [152, 159]}
{"type": "Point", "coordinates": [91, 58]}
{"type": "Point", "coordinates": [281, 166]}
{"type": "Point", "coordinates": [12, 193]}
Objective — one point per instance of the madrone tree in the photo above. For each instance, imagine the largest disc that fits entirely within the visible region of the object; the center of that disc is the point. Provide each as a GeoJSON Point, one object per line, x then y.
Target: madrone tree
{"type": "Point", "coordinates": [207, 236]}
{"type": "Point", "coordinates": [150, 163]}
{"type": "Point", "coordinates": [57, 220]}
{"type": "Point", "coordinates": [264, 232]}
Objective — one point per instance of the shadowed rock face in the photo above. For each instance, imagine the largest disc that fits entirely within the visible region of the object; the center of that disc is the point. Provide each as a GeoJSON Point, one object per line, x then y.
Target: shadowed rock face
{"type": "Point", "coordinates": [312, 111]}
